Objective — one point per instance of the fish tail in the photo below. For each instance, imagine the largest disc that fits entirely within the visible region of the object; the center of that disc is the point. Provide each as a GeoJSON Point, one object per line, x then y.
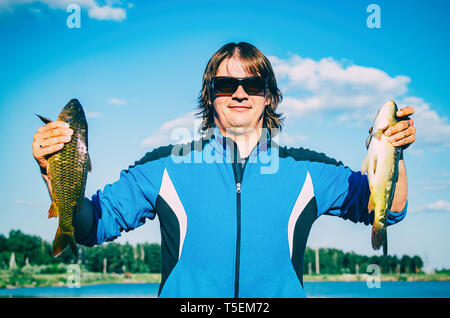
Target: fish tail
{"type": "Point", "coordinates": [379, 236]}
{"type": "Point", "coordinates": [62, 239]}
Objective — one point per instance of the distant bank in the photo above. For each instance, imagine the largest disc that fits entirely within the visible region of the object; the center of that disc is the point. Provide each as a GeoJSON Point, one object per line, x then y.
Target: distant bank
{"type": "Point", "coordinates": [91, 278]}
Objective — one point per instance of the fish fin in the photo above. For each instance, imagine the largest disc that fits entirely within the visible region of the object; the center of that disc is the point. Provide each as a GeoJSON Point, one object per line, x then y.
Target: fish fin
{"type": "Point", "coordinates": [53, 212]}
{"type": "Point", "coordinates": [365, 165]}
{"type": "Point", "coordinates": [371, 205]}
{"type": "Point", "coordinates": [62, 240]}
{"type": "Point", "coordinates": [45, 120]}
{"type": "Point", "coordinates": [368, 140]}
{"type": "Point", "coordinates": [89, 163]}
{"type": "Point", "coordinates": [379, 133]}
{"type": "Point", "coordinates": [374, 164]}
{"type": "Point", "coordinates": [379, 236]}
{"type": "Point", "coordinates": [383, 125]}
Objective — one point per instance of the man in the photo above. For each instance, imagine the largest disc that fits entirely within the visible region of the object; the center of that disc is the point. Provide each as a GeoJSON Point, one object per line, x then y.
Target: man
{"type": "Point", "coordinates": [233, 222]}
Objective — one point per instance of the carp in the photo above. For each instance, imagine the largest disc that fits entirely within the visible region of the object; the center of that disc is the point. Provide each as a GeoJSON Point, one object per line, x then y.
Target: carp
{"type": "Point", "coordinates": [67, 169]}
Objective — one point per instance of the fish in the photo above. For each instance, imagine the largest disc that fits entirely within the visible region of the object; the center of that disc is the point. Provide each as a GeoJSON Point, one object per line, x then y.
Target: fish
{"type": "Point", "coordinates": [68, 169]}
{"type": "Point", "coordinates": [381, 165]}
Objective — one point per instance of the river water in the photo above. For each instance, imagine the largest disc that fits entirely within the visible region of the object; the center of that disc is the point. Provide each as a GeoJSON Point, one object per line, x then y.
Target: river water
{"type": "Point", "coordinates": [431, 289]}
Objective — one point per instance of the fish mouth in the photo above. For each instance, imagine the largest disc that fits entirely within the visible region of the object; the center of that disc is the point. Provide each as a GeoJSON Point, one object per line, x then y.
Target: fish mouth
{"type": "Point", "coordinates": [72, 111]}
{"type": "Point", "coordinates": [73, 107]}
{"type": "Point", "coordinates": [73, 103]}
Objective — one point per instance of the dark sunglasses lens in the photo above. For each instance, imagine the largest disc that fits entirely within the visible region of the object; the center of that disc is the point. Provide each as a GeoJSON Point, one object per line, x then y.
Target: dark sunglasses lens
{"type": "Point", "coordinates": [225, 85]}
{"type": "Point", "coordinates": [254, 85]}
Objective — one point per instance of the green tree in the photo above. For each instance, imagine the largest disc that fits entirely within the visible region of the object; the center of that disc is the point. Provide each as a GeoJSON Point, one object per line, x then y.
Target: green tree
{"type": "Point", "coordinates": [405, 264]}
{"type": "Point", "coordinates": [3, 243]}
{"type": "Point", "coordinates": [416, 264]}
{"type": "Point", "coordinates": [309, 258]}
{"type": "Point", "coordinates": [153, 257]}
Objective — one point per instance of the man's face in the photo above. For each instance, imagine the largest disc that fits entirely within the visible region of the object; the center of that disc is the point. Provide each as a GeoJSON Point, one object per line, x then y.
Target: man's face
{"type": "Point", "coordinates": [239, 113]}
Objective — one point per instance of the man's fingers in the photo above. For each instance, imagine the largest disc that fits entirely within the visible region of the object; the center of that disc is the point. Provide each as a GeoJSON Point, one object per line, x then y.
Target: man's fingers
{"type": "Point", "coordinates": [403, 134]}
{"type": "Point", "coordinates": [53, 125]}
{"type": "Point", "coordinates": [56, 132]}
{"type": "Point", "coordinates": [42, 152]}
{"type": "Point", "coordinates": [51, 141]}
{"type": "Point", "coordinates": [408, 110]}
{"type": "Point", "coordinates": [402, 125]}
{"type": "Point", "coordinates": [403, 142]}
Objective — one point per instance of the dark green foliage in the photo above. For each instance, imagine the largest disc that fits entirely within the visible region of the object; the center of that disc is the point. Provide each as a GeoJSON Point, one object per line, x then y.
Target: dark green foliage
{"type": "Point", "coordinates": [146, 258]}
{"type": "Point", "coordinates": [142, 258]}
{"type": "Point", "coordinates": [334, 261]}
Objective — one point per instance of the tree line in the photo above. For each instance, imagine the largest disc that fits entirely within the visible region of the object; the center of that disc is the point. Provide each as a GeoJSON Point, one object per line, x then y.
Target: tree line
{"type": "Point", "coordinates": [23, 249]}
{"type": "Point", "coordinates": [111, 257]}
{"type": "Point", "coordinates": [334, 261]}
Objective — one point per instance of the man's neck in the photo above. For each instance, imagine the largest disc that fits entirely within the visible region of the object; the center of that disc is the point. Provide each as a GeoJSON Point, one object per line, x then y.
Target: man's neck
{"type": "Point", "coordinates": [245, 141]}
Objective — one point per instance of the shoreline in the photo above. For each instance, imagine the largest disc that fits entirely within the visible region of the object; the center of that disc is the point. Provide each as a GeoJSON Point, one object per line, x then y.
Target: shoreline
{"type": "Point", "coordinates": [91, 278]}
{"type": "Point", "coordinates": [383, 277]}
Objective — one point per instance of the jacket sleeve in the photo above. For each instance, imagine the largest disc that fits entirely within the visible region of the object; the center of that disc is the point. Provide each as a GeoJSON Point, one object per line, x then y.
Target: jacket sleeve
{"type": "Point", "coordinates": [345, 193]}
{"type": "Point", "coordinates": [122, 205]}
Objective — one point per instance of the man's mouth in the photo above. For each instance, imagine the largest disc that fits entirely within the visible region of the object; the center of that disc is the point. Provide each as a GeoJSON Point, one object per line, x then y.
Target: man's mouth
{"type": "Point", "coordinates": [239, 107]}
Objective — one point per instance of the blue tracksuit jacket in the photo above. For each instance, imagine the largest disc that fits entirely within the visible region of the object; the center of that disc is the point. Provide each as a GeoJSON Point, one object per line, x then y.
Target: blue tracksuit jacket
{"type": "Point", "coordinates": [231, 227]}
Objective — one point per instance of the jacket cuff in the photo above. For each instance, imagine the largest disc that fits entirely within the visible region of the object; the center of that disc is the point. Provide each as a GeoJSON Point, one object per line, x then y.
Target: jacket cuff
{"type": "Point", "coordinates": [395, 217]}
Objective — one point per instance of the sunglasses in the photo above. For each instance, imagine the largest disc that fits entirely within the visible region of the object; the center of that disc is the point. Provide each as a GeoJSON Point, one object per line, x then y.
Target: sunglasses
{"type": "Point", "coordinates": [226, 85]}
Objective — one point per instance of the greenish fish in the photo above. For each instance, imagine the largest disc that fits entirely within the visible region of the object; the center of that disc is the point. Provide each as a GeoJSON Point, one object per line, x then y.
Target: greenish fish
{"type": "Point", "coordinates": [68, 170]}
{"type": "Point", "coordinates": [381, 165]}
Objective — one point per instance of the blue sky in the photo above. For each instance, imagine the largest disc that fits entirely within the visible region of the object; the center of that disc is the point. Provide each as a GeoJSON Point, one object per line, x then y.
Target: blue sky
{"type": "Point", "coordinates": [136, 66]}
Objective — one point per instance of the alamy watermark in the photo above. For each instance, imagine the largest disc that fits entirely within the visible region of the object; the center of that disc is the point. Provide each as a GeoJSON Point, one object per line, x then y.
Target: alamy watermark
{"type": "Point", "coordinates": [374, 19]}
{"type": "Point", "coordinates": [73, 21]}
{"type": "Point", "coordinates": [74, 277]}
{"type": "Point", "coordinates": [266, 152]}
{"type": "Point", "coordinates": [374, 278]}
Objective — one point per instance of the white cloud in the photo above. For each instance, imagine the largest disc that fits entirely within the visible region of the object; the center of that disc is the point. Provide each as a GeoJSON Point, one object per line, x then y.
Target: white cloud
{"type": "Point", "coordinates": [289, 139]}
{"type": "Point", "coordinates": [117, 101]}
{"type": "Point", "coordinates": [440, 205]}
{"type": "Point", "coordinates": [96, 11]}
{"type": "Point", "coordinates": [107, 13]}
{"type": "Point", "coordinates": [431, 127]}
{"type": "Point", "coordinates": [93, 114]}
{"type": "Point", "coordinates": [292, 106]}
{"type": "Point", "coordinates": [354, 93]}
{"type": "Point", "coordinates": [328, 73]}
{"type": "Point", "coordinates": [178, 130]}
{"type": "Point", "coordinates": [328, 84]}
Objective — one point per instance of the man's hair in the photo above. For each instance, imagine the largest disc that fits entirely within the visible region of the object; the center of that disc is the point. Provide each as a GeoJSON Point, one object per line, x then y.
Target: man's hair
{"type": "Point", "coordinates": [255, 63]}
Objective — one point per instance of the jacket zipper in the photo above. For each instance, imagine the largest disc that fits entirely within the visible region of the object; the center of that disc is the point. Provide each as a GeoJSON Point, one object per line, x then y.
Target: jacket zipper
{"type": "Point", "coordinates": [238, 170]}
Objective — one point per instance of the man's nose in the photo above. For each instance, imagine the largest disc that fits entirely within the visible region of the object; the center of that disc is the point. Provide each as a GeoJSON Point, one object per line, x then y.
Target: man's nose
{"type": "Point", "coordinates": [240, 93]}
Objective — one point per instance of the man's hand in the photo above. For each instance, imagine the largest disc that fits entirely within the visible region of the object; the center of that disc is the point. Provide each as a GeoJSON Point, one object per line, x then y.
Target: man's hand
{"type": "Point", "coordinates": [403, 134]}
{"type": "Point", "coordinates": [49, 139]}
